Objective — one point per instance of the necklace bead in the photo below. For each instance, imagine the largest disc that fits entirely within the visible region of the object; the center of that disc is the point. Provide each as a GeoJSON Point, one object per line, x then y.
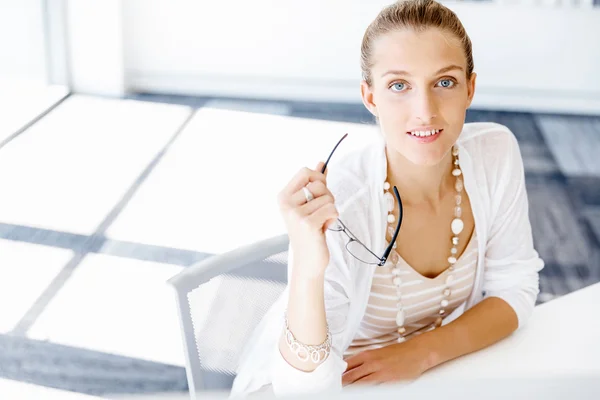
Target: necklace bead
{"type": "Point", "coordinates": [389, 199]}
{"type": "Point", "coordinates": [458, 186]}
{"type": "Point", "coordinates": [457, 212]}
{"type": "Point", "coordinates": [457, 226]}
{"type": "Point", "coordinates": [400, 317]}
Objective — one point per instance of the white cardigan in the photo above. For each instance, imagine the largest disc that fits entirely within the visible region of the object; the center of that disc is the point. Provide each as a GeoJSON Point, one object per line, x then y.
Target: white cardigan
{"type": "Point", "coordinates": [507, 265]}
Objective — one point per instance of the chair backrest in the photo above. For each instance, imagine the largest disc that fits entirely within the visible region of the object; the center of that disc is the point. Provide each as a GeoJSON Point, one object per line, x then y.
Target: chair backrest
{"type": "Point", "coordinates": [220, 301]}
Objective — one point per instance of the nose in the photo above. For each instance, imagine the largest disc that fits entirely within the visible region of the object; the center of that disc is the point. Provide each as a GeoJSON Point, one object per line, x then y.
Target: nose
{"type": "Point", "coordinates": [425, 107]}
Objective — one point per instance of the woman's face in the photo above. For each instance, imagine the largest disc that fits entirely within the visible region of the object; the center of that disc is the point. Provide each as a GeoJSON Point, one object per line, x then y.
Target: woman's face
{"type": "Point", "coordinates": [419, 92]}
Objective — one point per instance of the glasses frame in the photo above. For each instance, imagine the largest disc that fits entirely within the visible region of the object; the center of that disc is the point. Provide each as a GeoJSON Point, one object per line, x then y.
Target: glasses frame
{"type": "Point", "coordinates": [352, 237]}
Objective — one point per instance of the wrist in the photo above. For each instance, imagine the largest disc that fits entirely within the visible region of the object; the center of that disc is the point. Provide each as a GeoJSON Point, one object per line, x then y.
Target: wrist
{"type": "Point", "coordinates": [303, 278]}
{"type": "Point", "coordinates": [304, 272]}
{"type": "Point", "coordinates": [431, 355]}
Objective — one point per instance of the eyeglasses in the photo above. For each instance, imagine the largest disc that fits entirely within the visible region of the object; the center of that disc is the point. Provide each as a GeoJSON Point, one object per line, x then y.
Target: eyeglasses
{"type": "Point", "coordinates": [355, 247]}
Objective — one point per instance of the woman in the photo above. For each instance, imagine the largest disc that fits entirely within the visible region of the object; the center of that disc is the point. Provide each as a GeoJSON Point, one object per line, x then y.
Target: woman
{"type": "Point", "coordinates": [462, 272]}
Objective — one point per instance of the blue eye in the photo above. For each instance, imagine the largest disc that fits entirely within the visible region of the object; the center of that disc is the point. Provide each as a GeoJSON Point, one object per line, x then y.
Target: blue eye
{"type": "Point", "coordinates": [446, 83]}
{"type": "Point", "coordinates": [398, 87]}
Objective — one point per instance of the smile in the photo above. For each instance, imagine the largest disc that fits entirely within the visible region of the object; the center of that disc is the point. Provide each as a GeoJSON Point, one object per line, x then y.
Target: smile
{"type": "Point", "coordinates": [425, 133]}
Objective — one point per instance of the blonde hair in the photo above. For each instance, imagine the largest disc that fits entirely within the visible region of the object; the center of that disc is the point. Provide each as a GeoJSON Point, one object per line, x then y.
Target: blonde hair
{"type": "Point", "coordinates": [417, 15]}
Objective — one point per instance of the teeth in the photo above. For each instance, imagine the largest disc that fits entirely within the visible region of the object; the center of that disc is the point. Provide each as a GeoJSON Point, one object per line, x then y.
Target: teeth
{"type": "Point", "coordinates": [424, 133]}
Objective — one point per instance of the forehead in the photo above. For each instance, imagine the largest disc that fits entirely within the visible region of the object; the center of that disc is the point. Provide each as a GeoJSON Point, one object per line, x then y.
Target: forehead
{"type": "Point", "coordinates": [419, 53]}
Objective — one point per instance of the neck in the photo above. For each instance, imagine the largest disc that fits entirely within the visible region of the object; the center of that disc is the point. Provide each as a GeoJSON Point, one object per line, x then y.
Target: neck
{"type": "Point", "coordinates": [417, 184]}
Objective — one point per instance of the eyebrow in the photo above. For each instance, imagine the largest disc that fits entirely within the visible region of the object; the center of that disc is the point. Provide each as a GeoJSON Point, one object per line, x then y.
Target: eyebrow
{"type": "Point", "coordinates": [441, 71]}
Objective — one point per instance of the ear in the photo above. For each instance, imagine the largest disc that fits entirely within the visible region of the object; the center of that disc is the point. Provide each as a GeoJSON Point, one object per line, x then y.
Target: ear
{"type": "Point", "coordinates": [471, 88]}
{"type": "Point", "coordinates": [366, 93]}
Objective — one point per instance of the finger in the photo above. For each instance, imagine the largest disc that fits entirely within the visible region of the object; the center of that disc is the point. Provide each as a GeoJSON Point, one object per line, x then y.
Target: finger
{"type": "Point", "coordinates": [317, 189]}
{"type": "Point", "coordinates": [356, 373]}
{"type": "Point", "coordinates": [320, 167]}
{"type": "Point", "coordinates": [322, 215]}
{"type": "Point", "coordinates": [302, 178]}
{"type": "Point", "coordinates": [312, 206]}
{"type": "Point", "coordinates": [371, 379]}
{"type": "Point", "coordinates": [330, 222]}
{"type": "Point", "coordinates": [355, 361]}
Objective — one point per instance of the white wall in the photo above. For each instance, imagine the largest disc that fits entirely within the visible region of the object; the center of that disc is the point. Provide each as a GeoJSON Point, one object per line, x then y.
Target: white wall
{"type": "Point", "coordinates": [95, 46]}
{"type": "Point", "coordinates": [22, 48]}
{"type": "Point", "coordinates": [527, 57]}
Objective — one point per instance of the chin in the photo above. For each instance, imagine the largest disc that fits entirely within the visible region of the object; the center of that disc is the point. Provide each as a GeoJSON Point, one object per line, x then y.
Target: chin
{"type": "Point", "coordinates": [425, 157]}
{"type": "Point", "coordinates": [424, 160]}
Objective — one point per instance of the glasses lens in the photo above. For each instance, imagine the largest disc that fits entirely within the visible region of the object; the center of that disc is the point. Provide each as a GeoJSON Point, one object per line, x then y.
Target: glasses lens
{"type": "Point", "coordinates": [361, 253]}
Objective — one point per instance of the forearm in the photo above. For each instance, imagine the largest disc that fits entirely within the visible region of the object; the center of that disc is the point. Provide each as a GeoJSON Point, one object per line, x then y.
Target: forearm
{"type": "Point", "coordinates": [483, 325]}
{"type": "Point", "coordinates": [306, 317]}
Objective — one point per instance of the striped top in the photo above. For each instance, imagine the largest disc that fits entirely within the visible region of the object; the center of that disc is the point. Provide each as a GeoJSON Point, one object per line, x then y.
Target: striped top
{"type": "Point", "coordinates": [421, 297]}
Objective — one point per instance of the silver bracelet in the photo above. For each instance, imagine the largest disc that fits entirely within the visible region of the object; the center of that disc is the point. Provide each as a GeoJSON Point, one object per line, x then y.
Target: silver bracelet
{"type": "Point", "coordinates": [314, 353]}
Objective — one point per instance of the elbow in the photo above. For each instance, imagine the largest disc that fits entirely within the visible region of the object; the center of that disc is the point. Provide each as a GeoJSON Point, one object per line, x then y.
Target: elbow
{"type": "Point", "coordinates": [522, 300]}
{"type": "Point", "coordinates": [519, 290]}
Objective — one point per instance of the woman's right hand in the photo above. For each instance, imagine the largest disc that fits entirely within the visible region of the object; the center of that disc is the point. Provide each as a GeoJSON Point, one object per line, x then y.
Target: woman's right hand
{"type": "Point", "coordinates": [307, 222]}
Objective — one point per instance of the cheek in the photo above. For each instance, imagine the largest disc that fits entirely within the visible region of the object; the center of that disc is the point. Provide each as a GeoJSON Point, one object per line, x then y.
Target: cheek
{"type": "Point", "coordinates": [452, 107]}
{"type": "Point", "coordinates": [393, 108]}
{"type": "Point", "coordinates": [452, 99]}
{"type": "Point", "coordinates": [394, 119]}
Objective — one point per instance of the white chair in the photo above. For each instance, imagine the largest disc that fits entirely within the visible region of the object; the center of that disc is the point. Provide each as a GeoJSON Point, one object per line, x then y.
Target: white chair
{"type": "Point", "coordinates": [220, 301]}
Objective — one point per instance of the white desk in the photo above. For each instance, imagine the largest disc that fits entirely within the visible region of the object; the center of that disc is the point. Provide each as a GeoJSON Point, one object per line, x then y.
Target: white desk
{"type": "Point", "coordinates": [562, 338]}
{"type": "Point", "coordinates": [555, 357]}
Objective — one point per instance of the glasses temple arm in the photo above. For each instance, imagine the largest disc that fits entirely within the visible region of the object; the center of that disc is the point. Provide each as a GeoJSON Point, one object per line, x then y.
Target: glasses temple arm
{"type": "Point", "coordinates": [387, 252]}
{"type": "Point", "coordinates": [332, 151]}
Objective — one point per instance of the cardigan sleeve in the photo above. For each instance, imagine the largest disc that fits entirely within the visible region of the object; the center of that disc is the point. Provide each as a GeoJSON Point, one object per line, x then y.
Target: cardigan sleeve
{"type": "Point", "coordinates": [512, 264]}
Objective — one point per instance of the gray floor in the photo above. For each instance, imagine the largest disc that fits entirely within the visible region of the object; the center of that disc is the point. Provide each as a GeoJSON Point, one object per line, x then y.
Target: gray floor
{"type": "Point", "coordinates": [563, 183]}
